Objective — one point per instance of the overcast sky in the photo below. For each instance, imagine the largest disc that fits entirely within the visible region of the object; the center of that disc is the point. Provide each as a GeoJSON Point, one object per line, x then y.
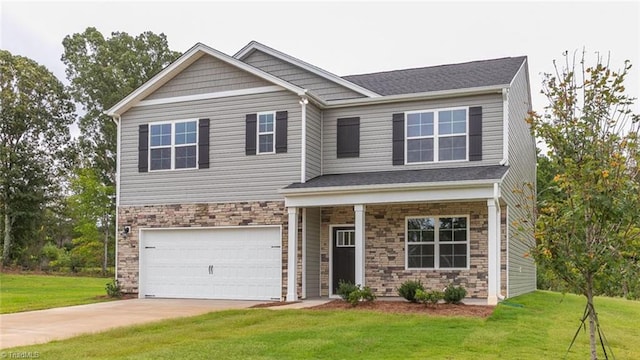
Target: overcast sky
{"type": "Point", "coordinates": [347, 37]}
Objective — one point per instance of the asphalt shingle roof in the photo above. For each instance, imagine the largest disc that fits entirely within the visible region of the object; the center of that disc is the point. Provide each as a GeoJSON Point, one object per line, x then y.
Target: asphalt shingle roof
{"type": "Point", "coordinates": [493, 172]}
{"type": "Point", "coordinates": [443, 77]}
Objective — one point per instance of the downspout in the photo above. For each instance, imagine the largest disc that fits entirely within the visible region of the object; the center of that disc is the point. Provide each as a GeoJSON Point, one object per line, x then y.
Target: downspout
{"type": "Point", "coordinates": [117, 120]}
{"type": "Point", "coordinates": [303, 151]}
{"type": "Point", "coordinates": [322, 142]}
{"type": "Point", "coordinates": [505, 127]}
{"type": "Point", "coordinates": [496, 199]}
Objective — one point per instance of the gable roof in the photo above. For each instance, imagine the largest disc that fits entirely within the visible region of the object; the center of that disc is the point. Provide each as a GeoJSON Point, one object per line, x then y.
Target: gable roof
{"type": "Point", "coordinates": [474, 74]}
{"type": "Point", "coordinates": [489, 174]}
{"type": "Point", "coordinates": [188, 58]}
{"type": "Point", "coordinates": [254, 45]}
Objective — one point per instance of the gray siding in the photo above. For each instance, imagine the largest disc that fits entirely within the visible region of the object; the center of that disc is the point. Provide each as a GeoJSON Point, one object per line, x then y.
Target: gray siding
{"type": "Point", "coordinates": [320, 86]}
{"type": "Point", "coordinates": [313, 142]}
{"type": "Point", "coordinates": [522, 169]}
{"type": "Point", "coordinates": [207, 75]}
{"type": "Point", "coordinates": [312, 279]}
{"type": "Point", "coordinates": [376, 134]}
{"type": "Point", "coordinates": [232, 176]}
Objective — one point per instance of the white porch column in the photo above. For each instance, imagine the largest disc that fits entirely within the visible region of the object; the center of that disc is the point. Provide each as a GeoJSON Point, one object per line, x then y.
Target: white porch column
{"type": "Point", "coordinates": [292, 252]}
{"type": "Point", "coordinates": [360, 231]}
{"type": "Point", "coordinates": [493, 276]}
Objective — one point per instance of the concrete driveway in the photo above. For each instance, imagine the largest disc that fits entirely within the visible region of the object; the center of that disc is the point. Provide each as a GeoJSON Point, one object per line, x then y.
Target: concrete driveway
{"type": "Point", "coordinates": [35, 327]}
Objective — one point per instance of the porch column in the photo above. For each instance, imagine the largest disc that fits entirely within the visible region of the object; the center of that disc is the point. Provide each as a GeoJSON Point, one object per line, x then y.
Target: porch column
{"type": "Point", "coordinates": [359, 233]}
{"type": "Point", "coordinates": [292, 254]}
{"type": "Point", "coordinates": [493, 275]}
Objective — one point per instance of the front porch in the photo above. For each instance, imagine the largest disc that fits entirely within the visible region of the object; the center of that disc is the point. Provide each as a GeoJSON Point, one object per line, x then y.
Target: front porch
{"type": "Point", "coordinates": [439, 235]}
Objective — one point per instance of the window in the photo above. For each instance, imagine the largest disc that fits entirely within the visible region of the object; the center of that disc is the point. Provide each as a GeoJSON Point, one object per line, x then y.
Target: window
{"type": "Point", "coordinates": [173, 145]}
{"type": "Point", "coordinates": [266, 133]}
{"type": "Point", "coordinates": [345, 238]}
{"type": "Point", "coordinates": [439, 135]}
{"type": "Point", "coordinates": [437, 242]}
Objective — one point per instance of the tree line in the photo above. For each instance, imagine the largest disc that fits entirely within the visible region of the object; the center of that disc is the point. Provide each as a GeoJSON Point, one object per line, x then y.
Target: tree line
{"type": "Point", "coordinates": [57, 193]}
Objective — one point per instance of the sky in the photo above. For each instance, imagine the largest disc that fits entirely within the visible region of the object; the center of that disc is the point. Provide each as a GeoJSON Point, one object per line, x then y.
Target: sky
{"type": "Point", "coordinates": [348, 38]}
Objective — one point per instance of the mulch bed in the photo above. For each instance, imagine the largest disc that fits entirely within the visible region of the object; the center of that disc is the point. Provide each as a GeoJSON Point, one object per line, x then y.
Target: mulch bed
{"type": "Point", "coordinates": [404, 307]}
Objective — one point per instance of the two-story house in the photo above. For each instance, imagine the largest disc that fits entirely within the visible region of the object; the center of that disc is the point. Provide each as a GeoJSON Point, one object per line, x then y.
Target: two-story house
{"type": "Point", "coordinates": [260, 176]}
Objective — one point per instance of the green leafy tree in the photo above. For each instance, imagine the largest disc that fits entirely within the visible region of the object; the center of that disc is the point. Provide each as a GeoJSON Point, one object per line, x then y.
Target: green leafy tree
{"type": "Point", "coordinates": [36, 113]}
{"type": "Point", "coordinates": [592, 136]}
{"type": "Point", "coordinates": [91, 203]}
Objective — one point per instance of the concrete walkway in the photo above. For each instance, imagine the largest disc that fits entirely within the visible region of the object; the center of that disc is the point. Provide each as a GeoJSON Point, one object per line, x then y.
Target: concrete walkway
{"type": "Point", "coordinates": [36, 327]}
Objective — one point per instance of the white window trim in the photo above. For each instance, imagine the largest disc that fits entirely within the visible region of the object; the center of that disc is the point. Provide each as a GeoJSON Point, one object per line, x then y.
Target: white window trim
{"type": "Point", "coordinates": [338, 232]}
{"type": "Point", "coordinates": [436, 136]}
{"type": "Point", "coordinates": [436, 242]}
{"type": "Point", "coordinates": [258, 133]}
{"type": "Point", "coordinates": [173, 144]}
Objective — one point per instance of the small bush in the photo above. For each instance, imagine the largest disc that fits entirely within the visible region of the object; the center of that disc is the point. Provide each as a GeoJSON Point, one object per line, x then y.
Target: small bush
{"type": "Point", "coordinates": [345, 288]}
{"type": "Point", "coordinates": [360, 294]}
{"type": "Point", "coordinates": [408, 289]}
{"type": "Point", "coordinates": [429, 298]}
{"type": "Point", "coordinates": [113, 289]}
{"type": "Point", "coordinates": [454, 294]}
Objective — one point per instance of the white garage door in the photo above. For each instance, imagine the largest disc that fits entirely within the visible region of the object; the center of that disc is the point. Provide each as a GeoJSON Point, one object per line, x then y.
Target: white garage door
{"type": "Point", "coordinates": [243, 263]}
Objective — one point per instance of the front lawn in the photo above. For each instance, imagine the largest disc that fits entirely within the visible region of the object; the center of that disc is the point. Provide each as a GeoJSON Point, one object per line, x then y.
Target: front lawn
{"type": "Point", "coordinates": [534, 326]}
{"type": "Point", "coordinates": [35, 292]}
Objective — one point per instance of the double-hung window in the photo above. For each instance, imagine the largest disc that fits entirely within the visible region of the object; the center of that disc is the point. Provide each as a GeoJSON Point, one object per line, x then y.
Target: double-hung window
{"type": "Point", "coordinates": [173, 145]}
{"type": "Point", "coordinates": [437, 242]}
{"type": "Point", "coordinates": [436, 135]}
{"type": "Point", "coordinates": [266, 133]}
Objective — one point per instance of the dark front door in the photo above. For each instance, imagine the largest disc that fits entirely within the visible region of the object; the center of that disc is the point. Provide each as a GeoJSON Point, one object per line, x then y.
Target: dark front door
{"type": "Point", "coordinates": [344, 255]}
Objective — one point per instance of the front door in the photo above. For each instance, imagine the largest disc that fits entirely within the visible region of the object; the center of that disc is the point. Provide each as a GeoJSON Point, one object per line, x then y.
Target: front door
{"type": "Point", "coordinates": [344, 255]}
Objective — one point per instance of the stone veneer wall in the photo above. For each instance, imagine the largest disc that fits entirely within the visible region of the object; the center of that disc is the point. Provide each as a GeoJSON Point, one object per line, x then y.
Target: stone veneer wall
{"type": "Point", "coordinates": [196, 215]}
{"type": "Point", "coordinates": [385, 247]}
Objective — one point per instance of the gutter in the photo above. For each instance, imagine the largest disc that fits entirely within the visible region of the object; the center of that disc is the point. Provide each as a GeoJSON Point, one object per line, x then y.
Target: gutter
{"type": "Point", "coordinates": [496, 89]}
{"type": "Point", "coordinates": [402, 186]}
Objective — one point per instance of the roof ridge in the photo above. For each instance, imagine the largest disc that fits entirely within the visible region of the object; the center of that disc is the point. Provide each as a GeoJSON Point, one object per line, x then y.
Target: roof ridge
{"type": "Point", "coordinates": [437, 66]}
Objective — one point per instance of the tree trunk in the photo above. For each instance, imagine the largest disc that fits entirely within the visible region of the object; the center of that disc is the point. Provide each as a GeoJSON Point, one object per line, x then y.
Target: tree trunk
{"type": "Point", "coordinates": [7, 236]}
{"type": "Point", "coordinates": [592, 317]}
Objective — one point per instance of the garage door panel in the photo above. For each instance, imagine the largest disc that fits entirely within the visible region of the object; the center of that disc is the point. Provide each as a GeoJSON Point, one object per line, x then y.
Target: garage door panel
{"type": "Point", "coordinates": [227, 263]}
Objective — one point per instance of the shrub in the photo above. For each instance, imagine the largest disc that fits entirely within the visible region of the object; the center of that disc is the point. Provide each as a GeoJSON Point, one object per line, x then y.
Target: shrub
{"type": "Point", "coordinates": [408, 289]}
{"type": "Point", "coordinates": [454, 294]}
{"type": "Point", "coordinates": [345, 288]}
{"type": "Point", "coordinates": [429, 297]}
{"type": "Point", "coordinates": [113, 289]}
{"type": "Point", "coordinates": [360, 294]}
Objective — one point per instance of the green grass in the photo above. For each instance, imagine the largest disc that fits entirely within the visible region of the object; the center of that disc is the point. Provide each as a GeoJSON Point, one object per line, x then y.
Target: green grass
{"type": "Point", "coordinates": [35, 292]}
{"type": "Point", "coordinates": [539, 327]}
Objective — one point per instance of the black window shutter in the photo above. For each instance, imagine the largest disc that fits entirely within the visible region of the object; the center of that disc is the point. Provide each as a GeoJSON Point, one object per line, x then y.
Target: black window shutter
{"type": "Point", "coordinates": [281, 131]}
{"type": "Point", "coordinates": [348, 139]}
{"type": "Point", "coordinates": [398, 139]}
{"type": "Point", "coordinates": [203, 144]}
{"type": "Point", "coordinates": [475, 133]}
{"type": "Point", "coordinates": [250, 134]}
{"type": "Point", "coordinates": [143, 148]}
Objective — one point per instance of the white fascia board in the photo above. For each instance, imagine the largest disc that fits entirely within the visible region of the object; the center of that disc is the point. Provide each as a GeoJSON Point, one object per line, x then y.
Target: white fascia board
{"type": "Point", "coordinates": [181, 63]}
{"type": "Point", "coordinates": [392, 187]}
{"type": "Point", "coordinates": [214, 95]}
{"type": "Point", "coordinates": [472, 193]}
{"type": "Point", "coordinates": [254, 45]}
{"type": "Point", "coordinates": [431, 95]}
